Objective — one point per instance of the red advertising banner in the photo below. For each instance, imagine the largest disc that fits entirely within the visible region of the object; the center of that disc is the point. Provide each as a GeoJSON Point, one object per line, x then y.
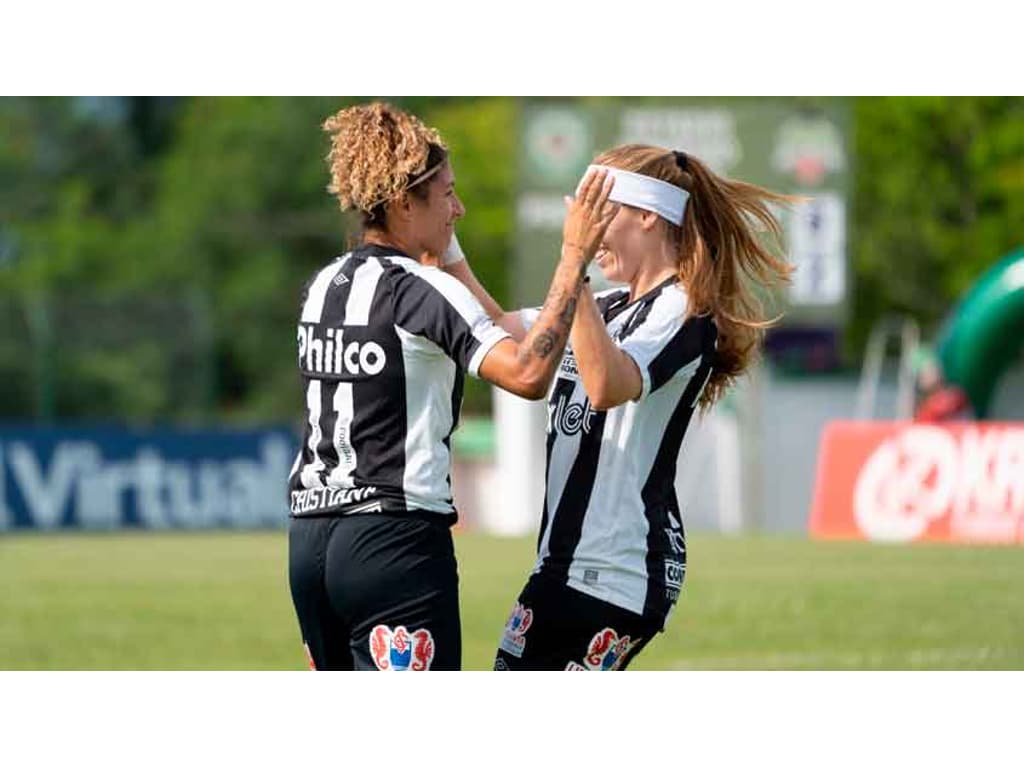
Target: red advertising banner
{"type": "Point", "coordinates": [905, 481]}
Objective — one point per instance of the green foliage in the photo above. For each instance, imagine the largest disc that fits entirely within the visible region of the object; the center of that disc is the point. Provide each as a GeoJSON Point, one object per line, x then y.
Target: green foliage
{"type": "Point", "coordinates": [216, 210]}
{"type": "Point", "coordinates": [939, 197]}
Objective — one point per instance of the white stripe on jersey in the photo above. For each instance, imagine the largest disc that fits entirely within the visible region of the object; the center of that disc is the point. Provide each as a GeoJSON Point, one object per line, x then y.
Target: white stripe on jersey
{"type": "Point", "coordinates": [311, 472]}
{"type": "Point", "coordinates": [360, 297]}
{"type": "Point", "coordinates": [341, 475]}
{"type": "Point", "coordinates": [428, 403]}
{"type": "Point", "coordinates": [464, 302]}
{"type": "Point", "coordinates": [313, 309]}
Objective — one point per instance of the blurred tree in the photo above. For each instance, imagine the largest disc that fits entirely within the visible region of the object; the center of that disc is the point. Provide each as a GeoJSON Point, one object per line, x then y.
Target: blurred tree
{"type": "Point", "coordinates": [939, 197]}
{"type": "Point", "coordinates": [481, 137]}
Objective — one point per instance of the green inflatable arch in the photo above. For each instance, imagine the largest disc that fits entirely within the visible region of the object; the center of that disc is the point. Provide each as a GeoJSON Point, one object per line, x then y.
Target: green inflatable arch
{"type": "Point", "coordinates": [984, 335]}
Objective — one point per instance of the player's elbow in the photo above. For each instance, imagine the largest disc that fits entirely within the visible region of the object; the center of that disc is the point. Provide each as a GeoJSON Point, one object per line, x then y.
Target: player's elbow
{"type": "Point", "coordinates": [602, 401]}
{"type": "Point", "coordinates": [603, 395]}
{"type": "Point", "coordinates": [532, 387]}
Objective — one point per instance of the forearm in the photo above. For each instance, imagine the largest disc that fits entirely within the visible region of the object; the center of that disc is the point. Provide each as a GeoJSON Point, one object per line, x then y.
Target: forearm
{"type": "Point", "coordinates": [462, 272]}
{"type": "Point", "coordinates": [510, 321]}
{"type": "Point", "coordinates": [610, 377]}
{"type": "Point", "coordinates": [541, 349]}
{"type": "Point", "coordinates": [533, 362]}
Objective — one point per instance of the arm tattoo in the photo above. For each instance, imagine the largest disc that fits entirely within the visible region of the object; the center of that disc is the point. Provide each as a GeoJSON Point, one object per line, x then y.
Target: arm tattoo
{"type": "Point", "coordinates": [558, 312]}
{"type": "Point", "coordinates": [567, 314]}
{"type": "Point", "coordinates": [544, 343]}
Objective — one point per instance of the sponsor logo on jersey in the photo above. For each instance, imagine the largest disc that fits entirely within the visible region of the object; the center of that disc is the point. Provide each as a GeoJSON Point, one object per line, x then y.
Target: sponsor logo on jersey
{"type": "Point", "coordinates": [675, 571]}
{"type": "Point", "coordinates": [330, 353]}
{"type": "Point", "coordinates": [568, 369]}
{"type": "Point", "coordinates": [605, 652]}
{"type": "Point", "coordinates": [674, 533]}
{"type": "Point", "coordinates": [568, 417]}
{"type": "Point", "coordinates": [514, 639]}
{"type": "Point", "coordinates": [500, 665]}
{"type": "Point", "coordinates": [400, 650]}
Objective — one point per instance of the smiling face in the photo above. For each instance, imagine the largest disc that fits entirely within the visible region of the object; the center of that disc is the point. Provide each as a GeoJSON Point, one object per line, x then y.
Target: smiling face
{"type": "Point", "coordinates": [625, 245]}
{"type": "Point", "coordinates": [433, 218]}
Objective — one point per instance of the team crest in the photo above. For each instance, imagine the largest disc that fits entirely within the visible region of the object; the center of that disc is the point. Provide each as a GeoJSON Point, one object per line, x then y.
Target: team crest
{"type": "Point", "coordinates": [400, 650]}
{"type": "Point", "coordinates": [514, 639]}
{"type": "Point", "coordinates": [605, 652]}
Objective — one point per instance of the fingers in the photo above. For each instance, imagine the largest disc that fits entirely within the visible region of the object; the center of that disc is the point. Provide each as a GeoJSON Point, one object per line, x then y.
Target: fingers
{"type": "Point", "coordinates": [588, 184]}
{"type": "Point", "coordinates": [604, 191]}
{"type": "Point", "coordinates": [597, 191]}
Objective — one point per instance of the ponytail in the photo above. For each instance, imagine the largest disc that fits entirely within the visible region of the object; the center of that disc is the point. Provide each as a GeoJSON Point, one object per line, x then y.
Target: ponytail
{"type": "Point", "coordinates": [723, 256]}
{"type": "Point", "coordinates": [723, 259]}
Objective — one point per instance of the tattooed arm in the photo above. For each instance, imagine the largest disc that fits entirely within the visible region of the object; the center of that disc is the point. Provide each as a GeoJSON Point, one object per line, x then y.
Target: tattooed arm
{"type": "Point", "coordinates": [509, 321]}
{"type": "Point", "coordinates": [526, 368]}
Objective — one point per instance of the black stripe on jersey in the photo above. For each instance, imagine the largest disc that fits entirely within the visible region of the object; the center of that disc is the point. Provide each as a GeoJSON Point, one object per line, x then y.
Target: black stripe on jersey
{"type": "Point", "coordinates": [612, 301]}
{"type": "Point", "coordinates": [683, 348]}
{"type": "Point", "coordinates": [659, 494]}
{"type": "Point", "coordinates": [646, 302]}
{"type": "Point", "coordinates": [636, 320]}
{"type": "Point", "coordinates": [567, 527]}
{"type": "Point", "coordinates": [379, 417]}
{"type": "Point", "coordinates": [333, 314]}
{"type": "Point", "coordinates": [563, 389]}
{"type": "Point", "coordinates": [421, 309]}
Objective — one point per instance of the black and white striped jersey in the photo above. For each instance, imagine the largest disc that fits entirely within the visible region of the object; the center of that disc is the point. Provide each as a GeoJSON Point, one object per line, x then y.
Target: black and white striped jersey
{"type": "Point", "coordinates": [611, 525]}
{"type": "Point", "coordinates": [383, 346]}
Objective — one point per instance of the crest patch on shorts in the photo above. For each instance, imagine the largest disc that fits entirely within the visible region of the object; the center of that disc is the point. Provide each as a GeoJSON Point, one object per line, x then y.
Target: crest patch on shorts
{"type": "Point", "coordinates": [400, 650]}
{"type": "Point", "coordinates": [605, 652]}
{"type": "Point", "coordinates": [513, 641]}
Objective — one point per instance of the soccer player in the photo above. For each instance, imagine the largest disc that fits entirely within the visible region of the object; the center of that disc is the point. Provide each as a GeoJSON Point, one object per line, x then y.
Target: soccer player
{"type": "Point", "coordinates": [611, 557]}
{"type": "Point", "coordinates": [384, 342]}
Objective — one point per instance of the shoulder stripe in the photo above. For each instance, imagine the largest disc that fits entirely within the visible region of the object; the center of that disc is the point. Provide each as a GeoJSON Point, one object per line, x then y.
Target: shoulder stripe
{"type": "Point", "coordinates": [360, 297]}
{"type": "Point", "coordinates": [313, 309]}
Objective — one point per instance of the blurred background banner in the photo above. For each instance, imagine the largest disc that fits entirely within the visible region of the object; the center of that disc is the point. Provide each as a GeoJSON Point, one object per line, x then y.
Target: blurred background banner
{"type": "Point", "coordinates": [107, 478]}
{"type": "Point", "coordinates": [898, 482]}
{"type": "Point", "coordinates": [789, 145]}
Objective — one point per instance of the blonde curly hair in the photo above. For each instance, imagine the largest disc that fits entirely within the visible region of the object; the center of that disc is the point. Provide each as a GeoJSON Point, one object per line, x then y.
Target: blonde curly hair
{"type": "Point", "coordinates": [377, 152]}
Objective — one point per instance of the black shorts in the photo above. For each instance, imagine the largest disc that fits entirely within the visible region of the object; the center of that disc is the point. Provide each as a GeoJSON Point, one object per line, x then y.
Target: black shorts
{"type": "Point", "coordinates": [555, 627]}
{"type": "Point", "coordinates": [375, 591]}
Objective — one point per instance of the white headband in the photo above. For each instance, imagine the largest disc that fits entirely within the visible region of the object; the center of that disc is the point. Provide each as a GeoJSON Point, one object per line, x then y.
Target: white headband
{"type": "Point", "coordinates": [640, 191]}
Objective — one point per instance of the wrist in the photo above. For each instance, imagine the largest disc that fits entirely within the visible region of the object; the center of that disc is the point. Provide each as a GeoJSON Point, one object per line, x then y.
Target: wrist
{"type": "Point", "coordinates": [572, 252]}
{"type": "Point", "coordinates": [454, 253]}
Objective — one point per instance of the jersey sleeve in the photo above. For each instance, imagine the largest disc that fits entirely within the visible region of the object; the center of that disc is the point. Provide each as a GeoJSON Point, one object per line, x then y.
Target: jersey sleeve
{"type": "Point", "coordinates": [528, 316]}
{"type": "Point", "coordinates": [433, 304]}
{"type": "Point", "coordinates": [663, 345]}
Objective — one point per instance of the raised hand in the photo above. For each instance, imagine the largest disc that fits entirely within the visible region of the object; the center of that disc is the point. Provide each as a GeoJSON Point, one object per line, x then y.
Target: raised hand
{"type": "Point", "coordinates": [589, 214]}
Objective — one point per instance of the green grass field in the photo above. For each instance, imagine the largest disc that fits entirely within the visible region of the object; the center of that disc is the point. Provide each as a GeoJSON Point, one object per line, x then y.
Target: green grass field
{"type": "Point", "coordinates": [220, 601]}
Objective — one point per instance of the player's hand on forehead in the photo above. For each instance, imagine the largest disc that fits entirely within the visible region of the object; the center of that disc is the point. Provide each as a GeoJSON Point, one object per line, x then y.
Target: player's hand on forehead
{"type": "Point", "coordinates": [596, 183]}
